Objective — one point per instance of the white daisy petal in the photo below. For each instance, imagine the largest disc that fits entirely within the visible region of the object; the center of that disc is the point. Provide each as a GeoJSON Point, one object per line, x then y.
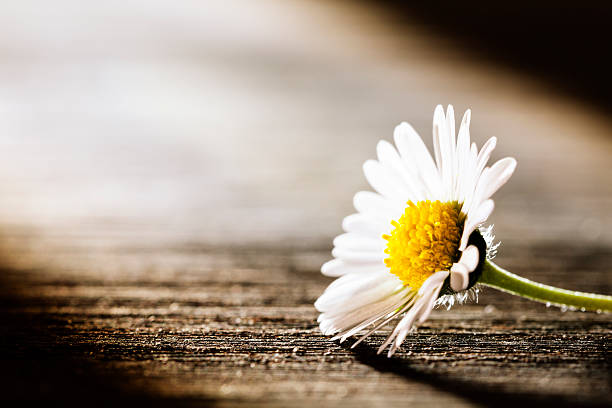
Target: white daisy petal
{"type": "Point", "coordinates": [426, 298]}
{"type": "Point", "coordinates": [340, 292]}
{"type": "Point", "coordinates": [389, 158]}
{"type": "Point", "coordinates": [431, 282]}
{"type": "Point", "coordinates": [407, 321]}
{"type": "Point", "coordinates": [344, 316]}
{"type": "Point", "coordinates": [485, 154]}
{"type": "Point", "coordinates": [347, 315]}
{"type": "Point", "coordinates": [468, 187]}
{"type": "Point", "coordinates": [450, 125]}
{"type": "Point", "coordinates": [338, 267]}
{"type": "Point", "coordinates": [386, 307]}
{"type": "Point", "coordinates": [354, 241]}
{"type": "Point", "coordinates": [463, 138]}
{"type": "Point", "coordinates": [366, 224]}
{"type": "Point", "coordinates": [444, 139]}
{"type": "Point", "coordinates": [478, 173]}
{"type": "Point", "coordinates": [491, 179]}
{"type": "Point", "coordinates": [459, 277]}
{"type": "Point", "coordinates": [415, 156]}
{"type": "Point", "coordinates": [358, 256]}
{"type": "Point", "coordinates": [438, 127]}
{"type": "Point", "coordinates": [474, 219]}
{"type": "Point", "coordinates": [368, 202]}
{"type": "Point", "coordinates": [391, 316]}
{"type": "Point", "coordinates": [341, 324]}
{"type": "Point", "coordinates": [403, 328]}
{"type": "Point", "coordinates": [384, 182]}
{"type": "Point", "coordinates": [469, 258]}
{"type": "Point", "coordinates": [498, 175]}
{"type": "Point", "coordinates": [353, 282]}
{"type": "Point", "coordinates": [429, 305]}
{"type": "Point", "coordinates": [452, 150]}
{"type": "Point", "coordinates": [463, 162]}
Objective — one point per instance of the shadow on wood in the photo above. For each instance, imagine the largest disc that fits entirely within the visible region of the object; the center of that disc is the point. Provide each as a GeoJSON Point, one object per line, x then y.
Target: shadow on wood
{"type": "Point", "coordinates": [473, 390]}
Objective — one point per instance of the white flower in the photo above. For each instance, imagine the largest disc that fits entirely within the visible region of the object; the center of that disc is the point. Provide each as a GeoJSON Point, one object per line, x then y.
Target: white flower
{"type": "Point", "coordinates": [409, 238]}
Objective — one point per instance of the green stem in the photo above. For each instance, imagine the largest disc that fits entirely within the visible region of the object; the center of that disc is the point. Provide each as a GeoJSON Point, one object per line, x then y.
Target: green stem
{"type": "Point", "coordinates": [498, 278]}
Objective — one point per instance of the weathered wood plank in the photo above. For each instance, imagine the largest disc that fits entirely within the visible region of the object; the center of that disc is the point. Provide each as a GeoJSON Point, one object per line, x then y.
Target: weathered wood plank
{"type": "Point", "coordinates": [254, 339]}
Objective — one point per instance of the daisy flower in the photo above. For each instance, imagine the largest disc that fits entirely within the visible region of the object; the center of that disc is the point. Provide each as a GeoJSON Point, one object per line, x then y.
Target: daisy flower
{"type": "Point", "coordinates": [417, 238]}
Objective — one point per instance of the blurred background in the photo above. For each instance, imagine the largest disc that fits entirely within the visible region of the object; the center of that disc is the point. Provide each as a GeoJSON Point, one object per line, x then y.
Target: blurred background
{"type": "Point", "coordinates": [140, 140]}
{"type": "Point", "coordinates": [248, 122]}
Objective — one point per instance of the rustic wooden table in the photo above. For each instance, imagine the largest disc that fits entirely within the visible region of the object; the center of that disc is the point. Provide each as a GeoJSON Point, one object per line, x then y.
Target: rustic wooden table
{"type": "Point", "coordinates": [172, 177]}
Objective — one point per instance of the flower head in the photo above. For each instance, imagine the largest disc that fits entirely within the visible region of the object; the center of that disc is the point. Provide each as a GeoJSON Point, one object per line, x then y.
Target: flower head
{"type": "Point", "coordinates": [416, 236]}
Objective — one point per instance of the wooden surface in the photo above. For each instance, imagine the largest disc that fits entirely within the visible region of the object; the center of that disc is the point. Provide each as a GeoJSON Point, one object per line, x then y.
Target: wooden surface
{"type": "Point", "coordinates": [172, 177]}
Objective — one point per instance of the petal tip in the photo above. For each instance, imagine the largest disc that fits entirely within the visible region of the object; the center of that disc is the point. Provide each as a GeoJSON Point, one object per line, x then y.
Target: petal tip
{"type": "Point", "coordinates": [467, 117]}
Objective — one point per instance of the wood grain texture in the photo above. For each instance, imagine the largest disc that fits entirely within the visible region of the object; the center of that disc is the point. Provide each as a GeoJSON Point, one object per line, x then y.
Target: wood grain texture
{"type": "Point", "coordinates": [173, 176]}
{"type": "Point", "coordinates": [244, 334]}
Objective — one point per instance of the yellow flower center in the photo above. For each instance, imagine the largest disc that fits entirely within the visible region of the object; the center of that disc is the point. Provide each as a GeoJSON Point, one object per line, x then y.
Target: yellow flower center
{"type": "Point", "coordinates": [424, 240]}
